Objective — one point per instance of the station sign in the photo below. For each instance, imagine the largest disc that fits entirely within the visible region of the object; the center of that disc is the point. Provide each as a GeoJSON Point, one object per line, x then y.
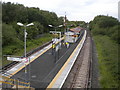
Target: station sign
{"type": "Point", "coordinates": [14, 59]}
{"type": "Point", "coordinates": [25, 60]}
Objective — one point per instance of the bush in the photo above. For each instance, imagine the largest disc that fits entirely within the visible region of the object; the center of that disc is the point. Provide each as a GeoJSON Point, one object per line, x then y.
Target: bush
{"type": "Point", "coordinates": [8, 35]}
{"type": "Point", "coordinates": [105, 25]}
{"type": "Point", "coordinates": [108, 61]}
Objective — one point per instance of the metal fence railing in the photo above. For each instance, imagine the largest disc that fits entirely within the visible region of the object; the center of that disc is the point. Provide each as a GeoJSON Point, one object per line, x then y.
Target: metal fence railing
{"type": "Point", "coordinates": [7, 82]}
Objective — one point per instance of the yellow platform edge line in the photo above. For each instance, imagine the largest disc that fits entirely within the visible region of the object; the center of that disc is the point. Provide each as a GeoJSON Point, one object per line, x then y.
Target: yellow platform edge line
{"type": "Point", "coordinates": [31, 60]}
{"type": "Point", "coordinates": [61, 70]}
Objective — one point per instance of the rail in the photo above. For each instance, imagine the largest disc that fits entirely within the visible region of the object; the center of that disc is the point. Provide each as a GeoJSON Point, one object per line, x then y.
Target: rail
{"type": "Point", "coordinates": [83, 64]}
{"type": "Point", "coordinates": [89, 82]}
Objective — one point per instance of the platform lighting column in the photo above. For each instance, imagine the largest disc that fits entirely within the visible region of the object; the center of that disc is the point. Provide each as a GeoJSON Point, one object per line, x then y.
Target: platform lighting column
{"type": "Point", "coordinates": [25, 36]}
{"type": "Point", "coordinates": [55, 33]}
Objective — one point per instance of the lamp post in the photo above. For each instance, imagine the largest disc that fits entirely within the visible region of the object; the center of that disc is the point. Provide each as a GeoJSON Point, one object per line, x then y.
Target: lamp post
{"type": "Point", "coordinates": [55, 27]}
{"type": "Point", "coordinates": [55, 40]}
{"type": "Point", "coordinates": [25, 35]}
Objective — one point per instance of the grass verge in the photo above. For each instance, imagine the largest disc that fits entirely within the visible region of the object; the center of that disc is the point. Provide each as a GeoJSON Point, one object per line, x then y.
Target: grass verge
{"type": "Point", "coordinates": [108, 61]}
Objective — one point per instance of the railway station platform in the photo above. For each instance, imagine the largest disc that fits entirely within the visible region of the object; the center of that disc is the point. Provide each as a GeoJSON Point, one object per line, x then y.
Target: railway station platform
{"type": "Point", "coordinates": [46, 69]}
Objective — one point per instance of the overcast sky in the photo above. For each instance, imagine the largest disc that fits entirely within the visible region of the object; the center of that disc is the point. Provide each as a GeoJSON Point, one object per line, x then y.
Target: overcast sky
{"type": "Point", "coordinates": [76, 10]}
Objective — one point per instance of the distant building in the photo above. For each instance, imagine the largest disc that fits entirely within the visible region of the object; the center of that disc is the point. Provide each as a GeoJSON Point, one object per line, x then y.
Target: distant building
{"type": "Point", "coordinates": [119, 11]}
{"type": "Point", "coordinates": [72, 35]}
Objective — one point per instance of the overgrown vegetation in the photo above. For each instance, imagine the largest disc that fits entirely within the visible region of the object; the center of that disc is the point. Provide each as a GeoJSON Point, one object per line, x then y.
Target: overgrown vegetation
{"type": "Point", "coordinates": [105, 33]}
{"type": "Point", "coordinates": [13, 13]}
{"type": "Point", "coordinates": [13, 35]}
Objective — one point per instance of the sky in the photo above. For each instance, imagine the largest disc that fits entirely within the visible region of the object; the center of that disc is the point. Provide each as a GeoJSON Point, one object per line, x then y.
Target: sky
{"type": "Point", "coordinates": [76, 10]}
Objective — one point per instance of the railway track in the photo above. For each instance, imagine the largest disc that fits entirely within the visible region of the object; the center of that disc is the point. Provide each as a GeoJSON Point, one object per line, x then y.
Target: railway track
{"type": "Point", "coordinates": [81, 73]}
{"type": "Point", "coordinates": [12, 64]}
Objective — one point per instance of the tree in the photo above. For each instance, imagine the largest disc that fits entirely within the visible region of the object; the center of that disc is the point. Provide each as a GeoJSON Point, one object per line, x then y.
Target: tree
{"type": "Point", "coordinates": [8, 35]}
{"type": "Point", "coordinates": [35, 31]}
{"type": "Point", "coordinates": [106, 25]}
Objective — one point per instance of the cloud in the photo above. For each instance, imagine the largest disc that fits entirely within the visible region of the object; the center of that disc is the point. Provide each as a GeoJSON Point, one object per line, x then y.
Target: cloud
{"type": "Point", "coordinates": [84, 10]}
{"type": "Point", "coordinates": [87, 10]}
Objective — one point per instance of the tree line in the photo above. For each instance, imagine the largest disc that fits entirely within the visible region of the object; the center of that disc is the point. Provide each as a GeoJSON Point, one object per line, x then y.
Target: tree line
{"type": "Point", "coordinates": [13, 13]}
{"type": "Point", "coordinates": [106, 25]}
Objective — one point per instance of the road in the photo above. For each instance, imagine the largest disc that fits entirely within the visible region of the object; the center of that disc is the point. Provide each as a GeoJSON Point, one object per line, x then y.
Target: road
{"type": "Point", "coordinates": [42, 70]}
